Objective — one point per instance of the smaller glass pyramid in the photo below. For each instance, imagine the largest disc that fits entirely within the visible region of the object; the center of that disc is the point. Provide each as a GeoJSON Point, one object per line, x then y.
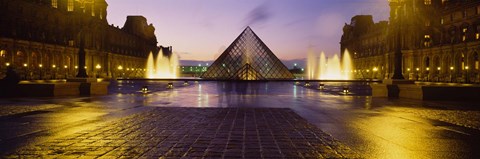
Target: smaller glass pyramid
{"type": "Point", "coordinates": [247, 58]}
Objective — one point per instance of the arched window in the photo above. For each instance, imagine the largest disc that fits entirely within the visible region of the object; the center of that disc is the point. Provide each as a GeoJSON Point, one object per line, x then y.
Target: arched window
{"type": "Point", "coordinates": [70, 5]}
{"type": "Point", "coordinates": [20, 59]}
{"type": "Point", "coordinates": [55, 3]}
{"type": "Point", "coordinates": [34, 60]}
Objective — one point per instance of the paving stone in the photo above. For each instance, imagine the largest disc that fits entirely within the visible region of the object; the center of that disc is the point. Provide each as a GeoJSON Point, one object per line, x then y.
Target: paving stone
{"type": "Point", "coordinates": [175, 133]}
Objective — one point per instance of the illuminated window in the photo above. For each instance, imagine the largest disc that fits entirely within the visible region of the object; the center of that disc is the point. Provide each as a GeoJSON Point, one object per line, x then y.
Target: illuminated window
{"type": "Point", "coordinates": [427, 41]}
{"type": "Point", "coordinates": [464, 36]}
{"type": "Point", "coordinates": [428, 2]}
{"type": "Point", "coordinates": [93, 10]}
{"type": "Point", "coordinates": [427, 23]}
{"type": "Point", "coordinates": [55, 3]}
{"type": "Point", "coordinates": [441, 21]}
{"type": "Point", "coordinates": [101, 14]}
{"type": "Point", "coordinates": [477, 36]}
{"type": "Point", "coordinates": [70, 5]}
{"type": "Point", "coordinates": [3, 53]}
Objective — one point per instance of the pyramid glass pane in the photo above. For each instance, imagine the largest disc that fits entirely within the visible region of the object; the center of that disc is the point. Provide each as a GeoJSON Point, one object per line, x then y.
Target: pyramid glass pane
{"type": "Point", "coordinates": [247, 58]}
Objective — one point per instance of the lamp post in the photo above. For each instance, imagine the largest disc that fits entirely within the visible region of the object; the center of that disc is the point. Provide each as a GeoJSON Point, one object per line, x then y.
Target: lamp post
{"type": "Point", "coordinates": [40, 66]}
{"type": "Point", "coordinates": [98, 67]}
{"type": "Point", "coordinates": [26, 71]}
{"type": "Point", "coordinates": [375, 69]}
{"type": "Point", "coordinates": [438, 76]}
{"type": "Point", "coordinates": [66, 71]}
{"type": "Point", "coordinates": [397, 70]}
{"type": "Point", "coordinates": [120, 68]}
{"type": "Point", "coordinates": [417, 69]}
{"type": "Point", "coordinates": [451, 76]}
{"type": "Point", "coordinates": [54, 67]}
{"type": "Point", "coordinates": [466, 75]}
{"type": "Point", "coordinates": [428, 73]}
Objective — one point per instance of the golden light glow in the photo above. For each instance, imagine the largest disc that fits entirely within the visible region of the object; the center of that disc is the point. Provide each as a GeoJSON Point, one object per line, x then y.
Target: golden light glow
{"type": "Point", "coordinates": [98, 66]}
{"type": "Point", "coordinates": [418, 69]}
{"type": "Point", "coordinates": [438, 68]}
{"type": "Point", "coordinates": [76, 67]}
{"type": "Point", "coordinates": [428, 68]}
{"type": "Point", "coordinates": [451, 67]}
{"type": "Point", "coordinates": [375, 69]}
{"type": "Point", "coordinates": [65, 66]}
{"type": "Point", "coordinates": [55, 3]}
{"type": "Point", "coordinates": [40, 65]}
{"type": "Point", "coordinates": [25, 65]}
{"type": "Point", "coordinates": [408, 69]}
{"type": "Point", "coordinates": [120, 67]}
{"type": "Point", "coordinates": [54, 66]}
{"type": "Point", "coordinates": [8, 64]}
{"type": "Point", "coordinates": [466, 67]}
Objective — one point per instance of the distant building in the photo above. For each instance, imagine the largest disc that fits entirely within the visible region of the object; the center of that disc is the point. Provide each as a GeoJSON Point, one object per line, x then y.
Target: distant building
{"type": "Point", "coordinates": [40, 38]}
{"type": "Point", "coordinates": [192, 71]}
{"type": "Point", "coordinates": [439, 39]}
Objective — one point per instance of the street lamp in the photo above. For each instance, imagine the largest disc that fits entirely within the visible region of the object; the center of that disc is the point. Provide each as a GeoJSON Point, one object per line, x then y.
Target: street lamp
{"type": "Point", "coordinates": [98, 67]}
{"type": "Point", "coordinates": [120, 68]}
{"type": "Point", "coordinates": [26, 71]}
{"type": "Point", "coordinates": [417, 69]}
{"type": "Point", "coordinates": [66, 71]}
{"type": "Point", "coordinates": [466, 75]}
{"type": "Point", "coordinates": [451, 76]}
{"type": "Point", "coordinates": [428, 74]}
{"type": "Point", "coordinates": [54, 71]}
{"type": "Point", "coordinates": [438, 76]}
{"type": "Point", "coordinates": [375, 69]}
{"type": "Point", "coordinates": [7, 64]}
{"type": "Point", "coordinates": [40, 66]}
{"type": "Point", "coordinates": [397, 69]}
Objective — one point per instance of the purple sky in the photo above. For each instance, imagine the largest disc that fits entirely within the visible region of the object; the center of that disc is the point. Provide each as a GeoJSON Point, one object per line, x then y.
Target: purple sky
{"type": "Point", "coordinates": [202, 29]}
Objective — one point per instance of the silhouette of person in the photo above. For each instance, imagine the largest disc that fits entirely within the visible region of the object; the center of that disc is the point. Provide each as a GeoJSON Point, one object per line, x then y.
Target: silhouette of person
{"type": "Point", "coordinates": [9, 82]}
{"type": "Point", "coordinates": [11, 78]}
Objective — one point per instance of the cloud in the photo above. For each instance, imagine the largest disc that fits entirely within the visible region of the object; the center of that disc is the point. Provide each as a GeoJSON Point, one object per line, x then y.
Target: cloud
{"type": "Point", "coordinates": [258, 15]}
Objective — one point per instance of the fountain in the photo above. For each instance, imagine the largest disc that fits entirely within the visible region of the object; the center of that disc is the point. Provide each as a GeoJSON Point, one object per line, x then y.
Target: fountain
{"type": "Point", "coordinates": [329, 68]}
{"type": "Point", "coordinates": [162, 67]}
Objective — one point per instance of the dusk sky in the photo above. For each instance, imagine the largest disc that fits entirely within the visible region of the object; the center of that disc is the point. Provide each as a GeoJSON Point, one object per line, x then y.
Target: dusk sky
{"type": "Point", "coordinates": [202, 29]}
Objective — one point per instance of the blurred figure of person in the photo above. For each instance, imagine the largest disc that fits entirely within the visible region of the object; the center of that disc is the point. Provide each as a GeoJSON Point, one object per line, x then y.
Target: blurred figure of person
{"type": "Point", "coordinates": [9, 82]}
{"type": "Point", "coordinates": [11, 78]}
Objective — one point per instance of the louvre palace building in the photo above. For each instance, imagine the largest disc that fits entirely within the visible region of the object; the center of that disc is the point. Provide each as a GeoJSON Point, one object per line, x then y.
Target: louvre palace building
{"type": "Point", "coordinates": [439, 41]}
{"type": "Point", "coordinates": [40, 39]}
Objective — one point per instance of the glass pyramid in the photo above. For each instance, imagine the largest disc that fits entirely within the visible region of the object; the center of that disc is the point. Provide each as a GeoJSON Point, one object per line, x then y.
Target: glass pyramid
{"type": "Point", "coordinates": [247, 58]}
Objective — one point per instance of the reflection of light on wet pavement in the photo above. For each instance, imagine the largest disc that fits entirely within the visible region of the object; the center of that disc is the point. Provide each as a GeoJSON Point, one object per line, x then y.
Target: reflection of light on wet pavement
{"type": "Point", "coordinates": [378, 128]}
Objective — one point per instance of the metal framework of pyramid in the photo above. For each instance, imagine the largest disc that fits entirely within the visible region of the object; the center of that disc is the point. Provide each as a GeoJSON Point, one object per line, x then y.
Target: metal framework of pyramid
{"type": "Point", "coordinates": [247, 58]}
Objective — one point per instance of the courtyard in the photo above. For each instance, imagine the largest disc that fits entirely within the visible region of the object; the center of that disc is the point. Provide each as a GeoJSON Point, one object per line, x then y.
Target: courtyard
{"type": "Point", "coordinates": [236, 120]}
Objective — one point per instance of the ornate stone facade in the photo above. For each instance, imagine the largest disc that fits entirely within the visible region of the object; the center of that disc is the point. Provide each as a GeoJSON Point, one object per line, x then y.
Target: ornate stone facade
{"type": "Point", "coordinates": [40, 38]}
{"type": "Point", "coordinates": [439, 39]}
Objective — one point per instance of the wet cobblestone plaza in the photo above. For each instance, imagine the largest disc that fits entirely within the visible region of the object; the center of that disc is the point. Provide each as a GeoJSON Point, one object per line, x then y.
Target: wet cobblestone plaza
{"type": "Point", "coordinates": [236, 120]}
